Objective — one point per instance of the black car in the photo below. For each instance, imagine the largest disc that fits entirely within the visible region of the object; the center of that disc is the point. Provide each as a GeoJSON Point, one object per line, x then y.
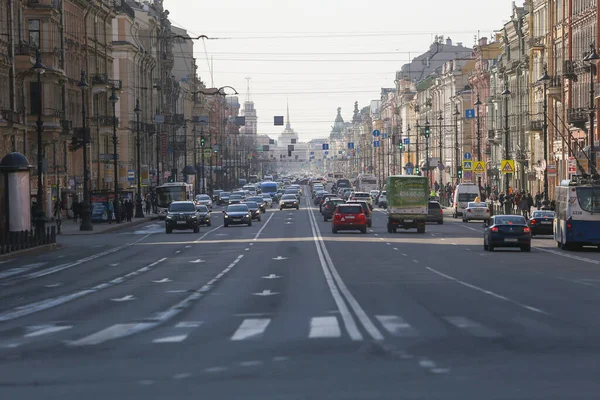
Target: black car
{"type": "Point", "coordinates": [541, 222]}
{"type": "Point", "coordinates": [254, 209]}
{"type": "Point", "coordinates": [237, 214]}
{"type": "Point", "coordinates": [182, 215]}
{"type": "Point", "coordinates": [289, 201]}
{"type": "Point", "coordinates": [235, 199]}
{"type": "Point", "coordinates": [507, 231]}
{"type": "Point", "coordinates": [435, 213]}
{"type": "Point", "coordinates": [216, 194]}
{"type": "Point", "coordinates": [203, 214]}
{"type": "Point", "coordinates": [223, 198]}
{"type": "Point", "coordinates": [262, 204]}
{"type": "Point", "coordinates": [329, 207]}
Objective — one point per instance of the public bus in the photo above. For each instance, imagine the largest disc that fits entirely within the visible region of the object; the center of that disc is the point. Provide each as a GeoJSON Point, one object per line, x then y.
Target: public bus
{"type": "Point", "coordinates": [577, 213]}
{"type": "Point", "coordinates": [253, 179]}
{"type": "Point", "coordinates": [366, 183]}
{"type": "Point", "coordinates": [170, 192]}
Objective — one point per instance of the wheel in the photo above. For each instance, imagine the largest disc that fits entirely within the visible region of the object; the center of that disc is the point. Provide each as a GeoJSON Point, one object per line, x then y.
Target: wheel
{"type": "Point", "coordinates": [333, 229]}
{"type": "Point", "coordinates": [297, 208]}
{"type": "Point", "coordinates": [526, 248]}
{"type": "Point", "coordinates": [280, 208]}
{"type": "Point", "coordinates": [363, 230]}
{"type": "Point", "coordinates": [197, 229]}
{"type": "Point", "coordinates": [249, 223]}
{"type": "Point", "coordinates": [464, 220]}
{"type": "Point", "coordinates": [225, 225]}
{"type": "Point", "coordinates": [490, 247]}
{"type": "Point", "coordinates": [209, 223]}
{"type": "Point", "coordinates": [169, 230]}
{"type": "Point", "coordinates": [259, 218]}
{"type": "Point", "coordinates": [370, 224]}
{"type": "Point", "coordinates": [565, 246]}
{"type": "Point", "coordinates": [485, 246]}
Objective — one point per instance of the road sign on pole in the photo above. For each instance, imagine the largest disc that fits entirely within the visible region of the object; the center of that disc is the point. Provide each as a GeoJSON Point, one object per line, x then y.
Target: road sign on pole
{"type": "Point", "coordinates": [507, 167]}
{"type": "Point", "coordinates": [467, 165]}
{"type": "Point", "coordinates": [406, 141]}
{"type": "Point", "coordinates": [470, 113]}
{"type": "Point", "coordinates": [479, 167]}
{"type": "Point", "coordinates": [467, 156]}
{"type": "Point", "coordinates": [376, 133]}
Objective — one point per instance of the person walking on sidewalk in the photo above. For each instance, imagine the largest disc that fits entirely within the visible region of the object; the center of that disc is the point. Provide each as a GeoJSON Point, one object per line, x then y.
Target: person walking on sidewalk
{"type": "Point", "coordinates": [75, 209]}
{"type": "Point", "coordinates": [109, 211]}
{"type": "Point", "coordinates": [148, 205]}
{"type": "Point", "coordinates": [129, 210]}
{"type": "Point", "coordinates": [116, 210]}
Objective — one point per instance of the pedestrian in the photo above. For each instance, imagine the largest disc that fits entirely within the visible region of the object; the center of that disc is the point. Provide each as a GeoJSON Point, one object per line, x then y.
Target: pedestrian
{"type": "Point", "coordinates": [109, 211]}
{"type": "Point", "coordinates": [123, 209]}
{"type": "Point", "coordinates": [148, 205]}
{"type": "Point", "coordinates": [116, 210]}
{"type": "Point", "coordinates": [530, 202]}
{"type": "Point", "coordinates": [75, 208]}
{"type": "Point", "coordinates": [57, 209]}
{"type": "Point", "coordinates": [129, 208]}
{"type": "Point", "coordinates": [524, 207]}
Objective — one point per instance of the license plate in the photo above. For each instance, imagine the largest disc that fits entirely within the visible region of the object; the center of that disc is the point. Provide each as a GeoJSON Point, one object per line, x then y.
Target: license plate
{"type": "Point", "coordinates": [511, 240]}
{"type": "Point", "coordinates": [237, 219]}
{"type": "Point", "coordinates": [408, 220]}
{"type": "Point", "coordinates": [181, 222]}
{"type": "Point", "coordinates": [546, 222]}
{"type": "Point", "coordinates": [350, 217]}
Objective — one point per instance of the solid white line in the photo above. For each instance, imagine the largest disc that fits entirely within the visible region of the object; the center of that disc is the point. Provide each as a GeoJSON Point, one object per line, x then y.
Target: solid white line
{"type": "Point", "coordinates": [113, 332]}
{"type": "Point", "coordinates": [171, 339]}
{"type": "Point", "coordinates": [188, 324]}
{"type": "Point", "coordinates": [47, 330]}
{"type": "Point", "coordinates": [474, 328]}
{"type": "Point", "coordinates": [396, 325]}
{"type": "Point", "coordinates": [324, 327]}
{"type": "Point", "coordinates": [21, 269]}
{"type": "Point", "coordinates": [251, 329]}
{"type": "Point", "coordinates": [488, 292]}
{"type": "Point", "coordinates": [207, 233]}
{"type": "Point", "coordinates": [358, 310]}
{"type": "Point", "coordinates": [558, 253]}
{"type": "Point", "coordinates": [263, 227]}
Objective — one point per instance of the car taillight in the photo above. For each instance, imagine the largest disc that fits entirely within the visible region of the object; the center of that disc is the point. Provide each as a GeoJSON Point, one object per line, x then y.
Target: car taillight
{"type": "Point", "coordinates": [533, 222]}
{"type": "Point", "coordinates": [362, 217]}
{"type": "Point", "coordinates": [469, 210]}
{"type": "Point", "coordinates": [494, 229]}
{"type": "Point", "coordinates": [569, 225]}
{"type": "Point", "coordinates": [337, 216]}
{"type": "Point", "coordinates": [487, 210]}
{"type": "Point", "coordinates": [526, 230]}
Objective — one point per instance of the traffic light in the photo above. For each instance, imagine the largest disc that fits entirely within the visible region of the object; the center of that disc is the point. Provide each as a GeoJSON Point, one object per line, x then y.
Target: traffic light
{"type": "Point", "coordinates": [459, 172]}
{"type": "Point", "coordinates": [417, 170]}
{"type": "Point", "coordinates": [427, 130]}
{"type": "Point", "coordinates": [400, 146]}
{"type": "Point", "coordinates": [202, 142]}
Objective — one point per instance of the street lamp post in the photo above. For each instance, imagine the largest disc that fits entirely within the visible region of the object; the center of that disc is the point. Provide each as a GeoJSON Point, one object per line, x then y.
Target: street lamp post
{"type": "Point", "coordinates": [592, 59]}
{"type": "Point", "coordinates": [113, 99]}
{"type": "Point", "coordinates": [441, 144]}
{"type": "Point", "coordinates": [427, 130]}
{"type": "Point", "coordinates": [457, 166]}
{"type": "Point", "coordinates": [86, 213]}
{"type": "Point", "coordinates": [506, 94]}
{"type": "Point", "coordinates": [139, 212]}
{"type": "Point", "coordinates": [417, 155]}
{"type": "Point", "coordinates": [39, 216]}
{"type": "Point", "coordinates": [545, 79]}
{"type": "Point", "coordinates": [477, 104]}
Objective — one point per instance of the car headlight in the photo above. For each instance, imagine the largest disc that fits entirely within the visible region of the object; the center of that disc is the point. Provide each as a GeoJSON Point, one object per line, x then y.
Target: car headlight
{"type": "Point", "coordinates": [248, 215]}
{"type": "Point", "coordinates": [169, 217]}
{"type": "Point", "coordinates": [226, 216]}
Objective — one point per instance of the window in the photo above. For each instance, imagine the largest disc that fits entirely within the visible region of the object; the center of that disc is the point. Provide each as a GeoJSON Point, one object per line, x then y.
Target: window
{"type": "Point", "coordinates": [34, 33]}
{"type": "Point", "coordinates": [34, 98]}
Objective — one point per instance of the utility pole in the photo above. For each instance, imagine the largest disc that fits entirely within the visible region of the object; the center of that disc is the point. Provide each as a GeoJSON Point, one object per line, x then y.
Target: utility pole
{"type": "Point", "coordinates": [477, 104]}
{"type": "Point", "coordinates": [441, 144]}
{"type": "Point", "coordinates": [506, 94]}
{"type": "Point", "coordinates": [457, 166]}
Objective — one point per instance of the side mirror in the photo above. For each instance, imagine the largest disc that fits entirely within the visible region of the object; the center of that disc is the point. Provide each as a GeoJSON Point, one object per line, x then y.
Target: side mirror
{"type": "Point", "coordinates": [223, 211]}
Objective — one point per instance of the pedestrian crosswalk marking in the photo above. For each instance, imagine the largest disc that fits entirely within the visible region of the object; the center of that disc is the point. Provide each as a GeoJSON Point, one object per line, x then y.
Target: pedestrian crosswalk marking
{"type": "Point", "coordinates": [472, 327]}
{"type": "Point", "coordinates": [251, 328]}
{"type": "Point", "coordinates": [324, 327]}
{"type": "Point", "coordinates": [396, 326]}
{"type": "Point", "coordinates": [171, 339]}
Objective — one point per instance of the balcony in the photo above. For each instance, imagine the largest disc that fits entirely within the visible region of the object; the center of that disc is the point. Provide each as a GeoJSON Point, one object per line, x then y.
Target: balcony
{"type": "Point", "coordinates": [25, 56]}
{"type": "Point", "coordinates": [537, 42]}
{"type": "Point", "coordinates": [536, 125]}
{"type": "Point", "coordinates": [577, 117]}
{"type": "Point", "coordinates": [555, 88]}
{"type": "Point", "coordinates": [104, 120]}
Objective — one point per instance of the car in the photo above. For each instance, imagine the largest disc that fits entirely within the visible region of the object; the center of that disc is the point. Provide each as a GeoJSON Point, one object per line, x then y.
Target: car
{"type": "Point", "coordinates": [254, 209]}
{"type": "Point", "coordinates": [476, 211]}
{"type": "Point", "coordinates": [330, 206]}
{"type": "Point", "coordinates": [223, 198]}
{"type": "Point", "coordinates": [262, 204]}
{"type": "Point", "coordinates": [204, 199]}
{"type": "Point", "coordinates": [237, 214]}
{"type": "Point", "coordinates": [319, 197]}
{"type": "Point", "coordinates": [382, 199]}
{"type": "Point", "coordinates": [507, 231]}
{"type": "Point", "coordinates": [216, 194]}
{"type": "Point", "coordinates": [346, 193]}
{"type": "Point", "coordinates": [296, 187]}
{"type": "Point", "coordinates": [435, 212]}
{"type": "Point", "coordinates": [289, 201]}
{"type": "Point", "coordinates": [361, 196]}
{"type": "Point", "coordinates": [324, 200]}
{"type": "Point", "coordinates": [235, 199]}
{"type": "Point", "coordinates": [268, 199]}
{"type": "Point", "coordinates": [349, 217]}
{"type": "Point", "coordinates": [240, 193]}
{"type": "Point", "coordinates": [374, 193]}
{"type": "Point", "coordinates": [366, 209]}
{"type": "Point", "coordinates": [203, 215]}
{"type": "Point", "coordinates": [182, 215]}
{"type": "Point", "coordinates": [293, 191]}
{"type": "Point", "coordinates": [541, 222]}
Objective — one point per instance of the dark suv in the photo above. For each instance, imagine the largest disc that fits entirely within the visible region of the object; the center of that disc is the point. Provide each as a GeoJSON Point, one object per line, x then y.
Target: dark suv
{"type": "Point", "coordinates": [182, 215]}
{"type": "Point", "coordinates": [435, 213]}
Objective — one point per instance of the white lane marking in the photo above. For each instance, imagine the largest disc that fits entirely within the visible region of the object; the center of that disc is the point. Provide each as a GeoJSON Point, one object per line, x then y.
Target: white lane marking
{"type": "Point", "coordinates": [415, 261]}
{"type": "Point", "coordinates": [426, 363]}
{"type": "Point", "coordinates": [404, 254]}
{"type": "Point", "coordinates": [112, 332]}
{"type": "Point", "coordinates": [266, 292]}
{"type": "Point", "coordinates": [280, 358]}
{"type": "Point", "coordinates": [247, 249]}
{"type": "Point", "coordinates": [488, 292]}
{"type": "Point", "coordinates": [62, 267]}
{"type": "Point", "coordinates": [262, 228]}
{"type": "Point", "coordinates": [271, 276]}
{"type": "Point", "coordinates": [129, 297]}
{"type": "Point", "coordinates": [114, 265]}
{"type": "Point", "coordinates": [176, 291]}
{"type": "Point", "coordinates": [46, 329]}
{"type": "Point", "coordinates": [396, 326]}
{"type": "Point", "coordinates": [198, 261]}
{"type": "Point", "coordinates": [389, 244]}
{"type": "Point", "coordinates": [473, 229]}
{"type": "Point", "coordinates": [253, 363]}
{"type": "Point", "coordinates": [251, 328]}
{"type": "Point", "coordinates": [188, 246]}
{"type": "Point", "coordinates": [279, 258]}
{"type": "Point", "coordinates": [440, 370]}
{"type": "Point", "coordinates": [356, 307]}
{"type": "Point", "coordinates": [578, 258]}
{"type": "Point", "coordinates": [182, 375]}
{"type": "Point", "coordinates": [188, 324]}
{"type": "Point", "coordinates": [208, 233]}
{"type": "Point", "coordinates": [20, 270]}
{"type": "Point", "coordinates": [324, 327]}
{"type": "Point", "coordinates": [164, 280]}
{"type": "Point", "coordinates": [442, 239]}
{"type": "Point", "coordinates": [53, 285]}
{"type": "Point", "coordinates": [395, 248]}
{"type": "Point", "coordinates": [171, 339]}
{"type": "Point", "coordinates": [178, 251]}
{"type": "Point", "coordinates": [474, 328]}
{"type": "Point", "coordinates": [216, 369]}
{"type": "Point", "coordinates": [45, 304]}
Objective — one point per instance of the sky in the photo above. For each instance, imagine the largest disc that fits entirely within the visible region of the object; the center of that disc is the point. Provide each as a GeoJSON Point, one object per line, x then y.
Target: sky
{"type": "Point", "coordinates": [319, 55]}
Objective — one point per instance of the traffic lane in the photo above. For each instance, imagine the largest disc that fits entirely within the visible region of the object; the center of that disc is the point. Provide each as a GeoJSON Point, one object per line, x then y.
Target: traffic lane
{"type": "Point", "coordinates": [128, 299]}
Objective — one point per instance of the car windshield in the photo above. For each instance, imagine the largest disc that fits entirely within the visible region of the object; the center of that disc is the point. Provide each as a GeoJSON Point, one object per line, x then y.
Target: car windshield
{"type": "Point", "coordinates": [224, 194]}
{"type": "Point", "coordinates": [509, 220]}
{"type": "Point", "coordinates": [543, 214]}
{"type": "Point", "coordinates": [349, 209]}
{"type": "Point", "coordinates": [201, 208]}
{"type": "Point", "coordinates": [237, 208]}
{"type": "Point", "coordinates": [235, 197]}
{"type": "Point", "coordinates": [181, 207]}
{"type": "Point", "coordinates": [288, 197]}
{"type": "Point", "coordinates": [257, 199]}
{"type": "Point", "coordinates": [477, 205]}
{"type": "Point", "coordinates": [251, 204]}
{"type": "Point", "coordinates": [202, 197]}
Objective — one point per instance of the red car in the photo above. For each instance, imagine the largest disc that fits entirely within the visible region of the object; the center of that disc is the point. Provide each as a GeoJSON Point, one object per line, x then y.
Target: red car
{"type": "Point", "coordinates": [349, 217]}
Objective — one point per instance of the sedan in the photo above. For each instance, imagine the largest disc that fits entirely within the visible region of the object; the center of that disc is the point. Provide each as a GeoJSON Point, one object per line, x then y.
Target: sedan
{"type": "Point", "coordinates": [223, 198]}
{"type": "Point", "coordinates": [237, 214]}
{"type": "Point", "coordinates": [542, 223]}
{"type": "Point", "coordinates": [254, 209]}
{"type": "Point", "coordinates": [235, 199]}
{"type": "Point", "coordinates": [349, 217]}
{"type": "Point", "coordinates": [289, 201]}
{"type": "Point", "coordinates": [205, 200]}
{"type": "Point", "coordinates": [476, 211]}
{"type": "Point", "coordinates": [262, 204]}
{"type": "Point", "coordinates": [330, 206]}
{"type": "Point", "coordinates": [319, 197]}
{"type": "Point", "coordinates": [267, 199]}
{"type": "Point", "coordinates": [203, 215]}
{"type": "Point", "coordinates": [507, 231]}
{"type": "Point", "coordinates": [366, 209]}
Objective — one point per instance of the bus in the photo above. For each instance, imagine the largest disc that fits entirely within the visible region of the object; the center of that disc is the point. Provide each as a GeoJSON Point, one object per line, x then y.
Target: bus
{"type": "Point", "coordinates": [366, 183]}
{"type": "Point", "coordinates": [577, 215]}
{"type": "Point", "coordinates": [172, 191]}
{"type": "Point", "coordinates": [253, 179]}
{"type": "Point", "coordinates": [270, 188]}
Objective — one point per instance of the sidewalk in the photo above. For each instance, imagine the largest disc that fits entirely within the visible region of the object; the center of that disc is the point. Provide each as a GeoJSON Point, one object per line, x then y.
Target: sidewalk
{"type": "Point", "coordinates": [70, 227]}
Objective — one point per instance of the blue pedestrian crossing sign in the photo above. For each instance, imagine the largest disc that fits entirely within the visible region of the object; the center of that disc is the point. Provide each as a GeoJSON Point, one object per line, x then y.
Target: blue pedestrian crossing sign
{"type": "Point", "coordinates": [467, 156]}
{"type": "Point", "coordinates": [384, 136]}
{"type": "Point", "coordinates": [467, 165]}
{"type": "Point", "coordinates": [350, 145]}
{"type": "Point", "coordinates": [376, 133]}
{"type": "Point", "coordinates": [406, 141]}
{"type": "Point", "coordinates": [376, 143]}
{"type": "Point", "coordinates": [325, 146]}
{"type": "Point", "coordinates": [470, 113]}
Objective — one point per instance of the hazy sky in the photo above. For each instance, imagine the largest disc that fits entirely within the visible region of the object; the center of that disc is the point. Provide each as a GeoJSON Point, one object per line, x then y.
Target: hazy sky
{"type": "Point", "coordinates": [322, 54]}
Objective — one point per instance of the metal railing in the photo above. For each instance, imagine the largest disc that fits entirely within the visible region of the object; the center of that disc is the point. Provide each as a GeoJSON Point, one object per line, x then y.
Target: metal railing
{"type": "Point", "coordinates": [16, 241]}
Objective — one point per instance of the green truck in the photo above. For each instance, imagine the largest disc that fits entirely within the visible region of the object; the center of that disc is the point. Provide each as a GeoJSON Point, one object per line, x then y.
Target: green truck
{"type": "Point", "coordinates": [407, 201]}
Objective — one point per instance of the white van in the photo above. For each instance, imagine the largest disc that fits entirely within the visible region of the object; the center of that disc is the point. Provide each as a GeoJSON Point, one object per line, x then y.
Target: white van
{"type": "Point", "coordinates": [464, 193]}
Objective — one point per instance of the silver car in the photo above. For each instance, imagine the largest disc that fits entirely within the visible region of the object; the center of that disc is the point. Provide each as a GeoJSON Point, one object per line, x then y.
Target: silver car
{"type": "Point", "coordinates": [204, 200]}
{"type": "Point", "coordinates": [476, 211]}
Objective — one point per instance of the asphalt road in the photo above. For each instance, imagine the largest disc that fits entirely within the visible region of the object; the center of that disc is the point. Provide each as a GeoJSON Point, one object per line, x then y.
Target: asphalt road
{"type": "Point", "coordinates": [285, 309]}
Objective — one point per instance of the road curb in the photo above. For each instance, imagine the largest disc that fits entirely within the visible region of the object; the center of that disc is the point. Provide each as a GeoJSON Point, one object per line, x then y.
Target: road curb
{"type": "Point", "coordinates": [116, 227]}
{"type": "Point", "coordinates": [46, 248]}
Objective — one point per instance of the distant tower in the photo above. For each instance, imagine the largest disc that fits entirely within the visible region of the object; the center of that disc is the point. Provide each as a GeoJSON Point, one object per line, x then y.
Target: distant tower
{"type": "Point", "coordinates": [288, 126]}
{"type": "Point", "coordinates": [247, 88]}
{"type": "Point", "coordinates": [251, 127]}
